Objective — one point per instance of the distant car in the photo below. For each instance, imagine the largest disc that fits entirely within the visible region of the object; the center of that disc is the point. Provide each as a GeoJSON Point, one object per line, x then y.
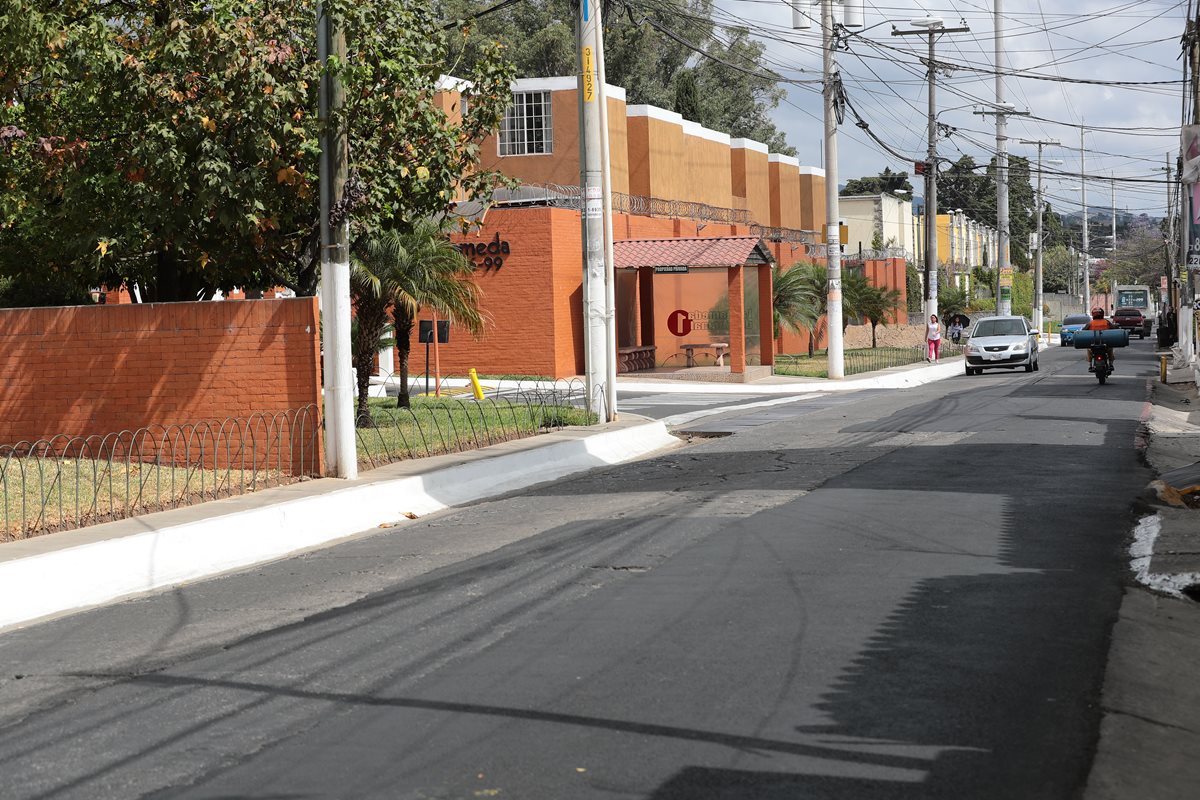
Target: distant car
{"type": "Point", "coordinates": [1070, 324]}
{"type": "Point", "coordinates": [1132, 320]}
{"type": "Point", "coordinates": [1002, 343]}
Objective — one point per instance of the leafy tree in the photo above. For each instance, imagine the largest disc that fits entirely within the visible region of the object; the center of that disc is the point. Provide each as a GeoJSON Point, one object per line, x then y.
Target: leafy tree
{"type": "Point", "coordinates": [733, 91]}
{"type": "Point", "coordinates": [175, 143]}
{"type": "Point", "coordinates": [1140, 257]}
{"type": "Point", "coordinates": [886, 182]}
{"type": "Point", "coordinates": [1058, 269]}
{"type": "Point", "coordinates": [964, 185]}
{"type": "Point", "coordinates": [912, 288]}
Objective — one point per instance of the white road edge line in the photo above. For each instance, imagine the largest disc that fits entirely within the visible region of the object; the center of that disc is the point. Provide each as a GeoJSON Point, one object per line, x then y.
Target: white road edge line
{"type": "Point", "coordinates": [675, 420]}
{"type": "Point", "coordinates": [1142, 551]}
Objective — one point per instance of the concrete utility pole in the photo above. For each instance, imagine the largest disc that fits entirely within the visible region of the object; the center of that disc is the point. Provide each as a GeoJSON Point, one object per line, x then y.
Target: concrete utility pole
{"type": "Point", "coordinates": [610, 279]}
{"type": "Point", "coordinates": [1087, 265]}
{"type": "Point", "coordinates": [835, 352]}
{"type": "Point", "coordinates": [1038, 300]}
{"type": "Point", "coordinates": [1113, 183]}
{"type": "Point", "coordinates": [930, 27]}
{"type": "Point", "coordinates": [341, 456]}
{"type": "Point", "coordinates": [831, 97]}
{"type": "Point", "coordinates": [1004, 301]}
{"type": "Point", "coordinates": [595, 328]}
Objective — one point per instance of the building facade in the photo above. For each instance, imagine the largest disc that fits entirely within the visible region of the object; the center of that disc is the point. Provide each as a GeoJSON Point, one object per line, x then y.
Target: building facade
{"type": "Point", "coordinates": [686, 199]}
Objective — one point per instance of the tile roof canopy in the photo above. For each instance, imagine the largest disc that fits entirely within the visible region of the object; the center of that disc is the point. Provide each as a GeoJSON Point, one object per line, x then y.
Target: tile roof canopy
{"type": "Point", "coordinates": [709, 251]}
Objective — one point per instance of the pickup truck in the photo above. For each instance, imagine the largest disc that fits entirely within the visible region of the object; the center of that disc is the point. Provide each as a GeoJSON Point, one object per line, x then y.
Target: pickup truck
{"type": "Point", "coordinates": [1132, 320]}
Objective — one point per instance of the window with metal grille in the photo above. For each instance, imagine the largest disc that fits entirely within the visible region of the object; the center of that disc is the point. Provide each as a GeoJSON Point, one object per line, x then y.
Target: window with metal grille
{"type": "Point", "coordinates": [528, 128]}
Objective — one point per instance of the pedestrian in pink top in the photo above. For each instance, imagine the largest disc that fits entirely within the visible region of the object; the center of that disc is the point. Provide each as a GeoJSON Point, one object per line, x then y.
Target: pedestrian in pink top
{"type": "Point", "coordinates": [933, 338]}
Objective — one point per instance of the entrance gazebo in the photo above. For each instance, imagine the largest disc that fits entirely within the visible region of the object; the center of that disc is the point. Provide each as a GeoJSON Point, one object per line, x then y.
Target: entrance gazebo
{"type": "Point", "coordinates": [683, 297]}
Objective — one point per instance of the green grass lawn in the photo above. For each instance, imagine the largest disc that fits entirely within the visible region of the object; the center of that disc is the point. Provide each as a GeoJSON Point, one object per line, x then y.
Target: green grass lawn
{"type": "Point", "coordinates": [857, 360]}
{"type": "Point", "coordinates": [435, 426]}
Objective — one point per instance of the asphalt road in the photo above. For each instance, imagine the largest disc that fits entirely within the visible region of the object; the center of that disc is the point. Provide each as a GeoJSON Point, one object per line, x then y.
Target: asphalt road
{"type": "Point", "coordinates": [903, 594]}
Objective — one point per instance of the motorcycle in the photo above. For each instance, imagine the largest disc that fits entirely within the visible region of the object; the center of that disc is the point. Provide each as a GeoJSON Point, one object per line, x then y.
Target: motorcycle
{"type": "Point", "coordinates": [1099, 362]}
{"type": "Point", "coordinates": [1097, 344]}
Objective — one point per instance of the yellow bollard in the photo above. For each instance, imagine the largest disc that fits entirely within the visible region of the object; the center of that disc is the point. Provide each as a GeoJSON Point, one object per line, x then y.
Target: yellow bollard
{"type": "Point", "coordinates": [476, 389]}
{"type": "Point", "coordinates": [1162, 369]}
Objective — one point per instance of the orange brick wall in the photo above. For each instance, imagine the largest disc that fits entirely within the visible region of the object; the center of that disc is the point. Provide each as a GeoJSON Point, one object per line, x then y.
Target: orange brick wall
{"type": "Point", "coordinates": [785, 194]}
{"type": "Point", "coordinates": [812, 201]}
{"type": "Point", "coordinates": [84, 370]}
{"type": "Point", "coordinates": [533, 302]}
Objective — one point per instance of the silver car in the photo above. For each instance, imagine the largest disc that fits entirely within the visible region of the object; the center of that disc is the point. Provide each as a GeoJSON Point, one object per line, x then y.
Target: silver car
{"type": "Point", "coordinates": [1002, 343]}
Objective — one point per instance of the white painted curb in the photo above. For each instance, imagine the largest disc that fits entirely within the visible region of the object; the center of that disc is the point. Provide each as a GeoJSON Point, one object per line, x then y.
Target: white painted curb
{"type": "Point", "coordinates": [99, 572]}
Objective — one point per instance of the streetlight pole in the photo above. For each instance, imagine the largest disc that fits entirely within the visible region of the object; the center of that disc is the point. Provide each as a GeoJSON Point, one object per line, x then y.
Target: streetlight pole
{"type": "Point", "coordinates": [1038, 300]}
{"type": "Point", "coordinates": [930, 27]}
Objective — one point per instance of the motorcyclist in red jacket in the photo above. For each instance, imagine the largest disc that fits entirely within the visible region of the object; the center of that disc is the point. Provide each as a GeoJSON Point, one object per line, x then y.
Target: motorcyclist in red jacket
{"type": "Point", "coordinates": [1098, 323]}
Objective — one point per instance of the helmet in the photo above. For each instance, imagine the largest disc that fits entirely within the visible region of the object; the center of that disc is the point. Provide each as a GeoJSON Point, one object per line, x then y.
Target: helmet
{"type": "Point", "coordinates": [1097, 313]}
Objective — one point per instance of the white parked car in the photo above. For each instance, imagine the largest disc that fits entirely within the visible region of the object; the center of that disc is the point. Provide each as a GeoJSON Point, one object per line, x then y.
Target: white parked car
{"type": "Point", "coordinates": [1002, 343]}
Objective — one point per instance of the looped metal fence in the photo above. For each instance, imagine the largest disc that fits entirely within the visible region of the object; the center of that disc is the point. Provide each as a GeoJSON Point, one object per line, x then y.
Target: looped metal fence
{"type": "Point", "coordinates": [447, 417]}
{"type": "Point", "coordinates": [67, 481]}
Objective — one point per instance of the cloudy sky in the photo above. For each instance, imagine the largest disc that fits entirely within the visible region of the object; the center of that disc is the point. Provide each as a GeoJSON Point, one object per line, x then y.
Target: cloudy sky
{"type": "Point", "coordinates": [1070, 45]}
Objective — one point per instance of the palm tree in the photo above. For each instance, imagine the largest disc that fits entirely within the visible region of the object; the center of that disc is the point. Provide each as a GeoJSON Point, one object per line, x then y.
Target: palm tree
{"type": "Point", "coordinates": [952, 300]}
{"type": "Point", "coordinates": [876, 305]}
{"type": "Point", "coordinates": [427, 269]}
{"type": "Point", "coordinates": [799, 299]}
{"type": "Point", "coordinates": [371, 290]}
{"type": "Point", "coordinates": [856, 292]}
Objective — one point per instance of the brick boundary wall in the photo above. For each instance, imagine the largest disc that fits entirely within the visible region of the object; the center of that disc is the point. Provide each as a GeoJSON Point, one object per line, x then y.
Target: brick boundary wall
{"type": "Point", "coordinates": [97, 370]}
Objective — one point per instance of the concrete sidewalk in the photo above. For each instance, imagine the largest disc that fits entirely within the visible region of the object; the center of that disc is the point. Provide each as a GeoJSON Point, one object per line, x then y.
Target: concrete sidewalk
{"type": "Point", "coordinates": [61, 573]}
{"type": "Point", "coordinates": [1149, 744]}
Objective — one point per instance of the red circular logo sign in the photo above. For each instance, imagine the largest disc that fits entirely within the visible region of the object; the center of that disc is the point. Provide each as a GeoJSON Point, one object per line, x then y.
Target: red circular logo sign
{"type": "Point", "coordinates": [679, 323]}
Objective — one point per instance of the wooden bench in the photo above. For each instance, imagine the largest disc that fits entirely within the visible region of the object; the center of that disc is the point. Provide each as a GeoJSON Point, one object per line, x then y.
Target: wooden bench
{"type": "Point", "coordinates": [635, 359]}
{"type": "Point", "coordinates": [718, 349]}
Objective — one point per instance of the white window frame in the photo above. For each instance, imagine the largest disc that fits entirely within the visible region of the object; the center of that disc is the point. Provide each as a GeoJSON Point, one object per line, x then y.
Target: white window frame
{"type": "Point", "coordinates": [524, 131]}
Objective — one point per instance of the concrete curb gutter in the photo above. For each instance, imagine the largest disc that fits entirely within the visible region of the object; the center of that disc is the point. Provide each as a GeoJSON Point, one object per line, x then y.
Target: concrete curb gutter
{"type": "Point", "coordinates": [60, 573]}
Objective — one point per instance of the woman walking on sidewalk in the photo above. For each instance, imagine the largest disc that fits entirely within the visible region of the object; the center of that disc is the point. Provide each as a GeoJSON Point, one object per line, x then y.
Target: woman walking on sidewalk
{"type": "Point", "coordinates": [933, 339]}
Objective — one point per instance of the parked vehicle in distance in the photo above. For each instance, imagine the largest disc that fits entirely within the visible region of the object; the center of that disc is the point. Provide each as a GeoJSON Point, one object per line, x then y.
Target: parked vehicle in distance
{"type": "Point", "coordinates": [1132, 320]}
{"type": "Point", "coordinates": [1002, 343]}
{"type": "Point", "coordinates": [1070, 324]}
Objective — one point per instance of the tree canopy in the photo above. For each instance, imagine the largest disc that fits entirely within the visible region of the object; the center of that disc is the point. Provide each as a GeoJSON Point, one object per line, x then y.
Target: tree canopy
{"type": "Point", "coordinates": [963, 185]}
{"type": "Point", "coordinates": [886, 182]}
{"type": "Point", "coordinates": [711, 75]}
{"type": "Point", "coordinates": [175, 144]}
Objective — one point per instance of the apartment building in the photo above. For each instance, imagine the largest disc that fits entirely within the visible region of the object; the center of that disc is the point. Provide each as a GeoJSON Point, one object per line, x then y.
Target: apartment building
{"type": "Point", "coordinates": [699, 218]}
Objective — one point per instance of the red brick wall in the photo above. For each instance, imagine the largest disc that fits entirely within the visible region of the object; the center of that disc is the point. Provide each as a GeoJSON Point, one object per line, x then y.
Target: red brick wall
{"type": "Point", "coordinates": [87, 370]}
